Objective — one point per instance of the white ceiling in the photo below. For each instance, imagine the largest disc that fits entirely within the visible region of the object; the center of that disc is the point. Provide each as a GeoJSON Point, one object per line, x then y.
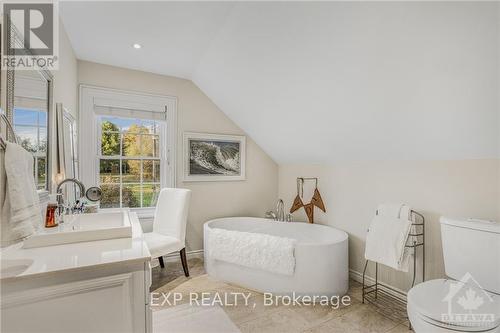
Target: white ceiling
{"type": "Point", "coordinates": [173, 35]}
{"type": "Point", "coordinates": [320, 82]}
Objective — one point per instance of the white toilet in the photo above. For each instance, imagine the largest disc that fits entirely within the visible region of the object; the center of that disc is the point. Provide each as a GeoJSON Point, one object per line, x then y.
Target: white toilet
{"type": "Point", "coordinates": [470, 300]}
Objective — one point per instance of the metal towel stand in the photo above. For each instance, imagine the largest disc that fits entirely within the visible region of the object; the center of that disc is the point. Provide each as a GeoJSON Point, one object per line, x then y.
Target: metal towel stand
{"type": "Point", "coordinates": [385, 298]}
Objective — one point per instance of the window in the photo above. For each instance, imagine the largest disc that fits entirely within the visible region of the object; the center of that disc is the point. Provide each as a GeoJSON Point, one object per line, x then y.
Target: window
{"type": "Point", "coordinates": [31, 127]}
{"type": "Point", "coordinates": [129, 161]}
{"type": "Point", "coordinates": [127, 146]}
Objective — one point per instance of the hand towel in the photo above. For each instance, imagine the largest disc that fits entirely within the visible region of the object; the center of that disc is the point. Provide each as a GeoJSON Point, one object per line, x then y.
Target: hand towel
{"type": "Point", "coordinates": [386, 240]}
{"type": "Point", "coordinates": [20, 206]}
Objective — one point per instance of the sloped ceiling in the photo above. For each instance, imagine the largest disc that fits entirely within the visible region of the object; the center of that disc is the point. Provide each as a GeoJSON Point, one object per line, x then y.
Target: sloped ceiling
{"type": "Point", "coordinates": [320, 82]}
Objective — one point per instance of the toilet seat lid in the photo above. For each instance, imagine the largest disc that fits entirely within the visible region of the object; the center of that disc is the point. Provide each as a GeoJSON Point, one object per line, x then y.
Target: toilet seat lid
{"type": "Point", "coordinates": [455, 305]}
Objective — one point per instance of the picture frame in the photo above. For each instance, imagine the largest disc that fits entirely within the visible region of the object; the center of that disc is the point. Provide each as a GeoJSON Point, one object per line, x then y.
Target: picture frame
{"type": "Point", "coordinates": [214, 157]}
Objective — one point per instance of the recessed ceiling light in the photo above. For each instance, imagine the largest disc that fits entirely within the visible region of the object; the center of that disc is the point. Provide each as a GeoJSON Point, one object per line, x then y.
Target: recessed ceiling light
{"type": "Point", "coordinates": [137, 46]}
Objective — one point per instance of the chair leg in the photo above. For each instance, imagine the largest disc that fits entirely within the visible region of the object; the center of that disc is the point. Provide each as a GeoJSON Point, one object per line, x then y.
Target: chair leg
{"type": "Point", "coordinates": [184, 262]}
{"type": "Point", "coordinates": [162, 264]}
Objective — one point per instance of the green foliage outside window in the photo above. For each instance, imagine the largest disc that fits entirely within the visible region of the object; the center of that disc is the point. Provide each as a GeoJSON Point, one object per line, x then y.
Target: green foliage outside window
{"type": "Point", "coordinates": [138, 142]}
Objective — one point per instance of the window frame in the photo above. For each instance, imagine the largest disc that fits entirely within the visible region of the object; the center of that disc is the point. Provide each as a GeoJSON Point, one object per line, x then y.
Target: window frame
{"type": "Point", "coordinates": [89, 144]}
{"type": "Point", "coordinates": [120, 157]}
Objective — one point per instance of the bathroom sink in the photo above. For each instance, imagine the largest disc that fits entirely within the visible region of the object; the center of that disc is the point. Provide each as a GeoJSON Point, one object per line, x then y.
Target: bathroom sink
{"type": "Point", "coordinates": [83, 228]}
{"type": "Point", "coordinates": [13, 267]}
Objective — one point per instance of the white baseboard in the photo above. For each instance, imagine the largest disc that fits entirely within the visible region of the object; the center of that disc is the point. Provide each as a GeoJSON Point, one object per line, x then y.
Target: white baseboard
{"type": "Point", "coordinates": [396, 292]}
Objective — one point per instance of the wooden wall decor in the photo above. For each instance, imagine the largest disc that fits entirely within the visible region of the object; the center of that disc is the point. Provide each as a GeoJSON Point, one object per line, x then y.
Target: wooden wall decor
{"type": "Point", "coordinates": [316, 200]}
{"type": "Point", "coordinates": [297, 203]}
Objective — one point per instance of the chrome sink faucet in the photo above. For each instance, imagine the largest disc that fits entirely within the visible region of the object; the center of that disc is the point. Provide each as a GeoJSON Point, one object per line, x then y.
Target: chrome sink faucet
{"type": "Point", "coordinates": [61, 207]}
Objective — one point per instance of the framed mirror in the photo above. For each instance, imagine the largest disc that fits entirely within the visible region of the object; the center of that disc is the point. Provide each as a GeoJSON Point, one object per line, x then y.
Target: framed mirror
{"type": "Point", "coordinates": [29, 109]}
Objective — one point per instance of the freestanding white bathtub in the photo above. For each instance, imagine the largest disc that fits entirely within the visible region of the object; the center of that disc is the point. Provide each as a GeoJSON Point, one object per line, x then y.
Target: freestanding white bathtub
{"type": "Point", "coordinates": [321, 258]}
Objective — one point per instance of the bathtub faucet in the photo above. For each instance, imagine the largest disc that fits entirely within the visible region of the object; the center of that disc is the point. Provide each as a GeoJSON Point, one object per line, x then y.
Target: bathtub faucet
{"type": "Point", "coordinates": [279, 215]}
{"type": "Point", "coordinates": [270, 215]}
{"type": "Point", "coordinates": [280, 210]}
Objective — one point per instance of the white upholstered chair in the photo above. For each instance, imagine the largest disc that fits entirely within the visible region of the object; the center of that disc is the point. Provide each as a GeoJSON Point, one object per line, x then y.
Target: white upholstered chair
{"type": "Point", "coordinates": [169, 225]}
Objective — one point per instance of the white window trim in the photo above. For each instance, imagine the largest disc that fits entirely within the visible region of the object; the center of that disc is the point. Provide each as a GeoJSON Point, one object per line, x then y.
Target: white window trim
{"type": "Point", "coordinates": [88, 142]}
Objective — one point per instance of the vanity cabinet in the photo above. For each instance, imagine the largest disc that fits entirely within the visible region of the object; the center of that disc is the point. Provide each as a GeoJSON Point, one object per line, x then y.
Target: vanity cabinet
{"type": "Point", "coordinates": [100, 286]}
{"type": "Point", "coordinates": [109, 299]}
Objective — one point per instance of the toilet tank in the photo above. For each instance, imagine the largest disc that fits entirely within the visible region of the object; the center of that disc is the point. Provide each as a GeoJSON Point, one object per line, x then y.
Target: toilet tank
{"type": "Point", "coordinates": [472, 246]}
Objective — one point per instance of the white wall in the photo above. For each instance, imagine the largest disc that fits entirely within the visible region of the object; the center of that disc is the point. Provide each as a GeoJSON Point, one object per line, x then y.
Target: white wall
{"type": "Point", "coordinates": [65, 78]}
{"type": "Point", "coordinates": [352, 191]}
{"type": "Point", "coordinates": [197, 113]}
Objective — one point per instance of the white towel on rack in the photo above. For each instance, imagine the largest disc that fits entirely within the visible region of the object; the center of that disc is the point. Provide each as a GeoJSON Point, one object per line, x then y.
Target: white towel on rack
{"type": "Point", "coordinates": [387, 237]}
{"type": "Point", "coordinates": [390, 209]}
{"type": "Point", "coordinates": [20, 206]}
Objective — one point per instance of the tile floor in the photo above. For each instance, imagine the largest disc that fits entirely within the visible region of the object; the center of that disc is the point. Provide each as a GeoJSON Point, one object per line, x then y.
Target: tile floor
{"type": "Point", "coordinates": [356, 317]}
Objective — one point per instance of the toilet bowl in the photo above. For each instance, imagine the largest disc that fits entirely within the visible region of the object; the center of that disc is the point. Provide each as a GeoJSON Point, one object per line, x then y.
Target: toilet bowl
{"type": "Point", "coordinates": [434, 307]}
{"type": "Point", "coordinates": [470, 300]}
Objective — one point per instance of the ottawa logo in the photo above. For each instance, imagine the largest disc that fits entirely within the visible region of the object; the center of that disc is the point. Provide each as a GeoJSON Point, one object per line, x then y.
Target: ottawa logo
{"type": "Point", "coordinates": [465, 300]}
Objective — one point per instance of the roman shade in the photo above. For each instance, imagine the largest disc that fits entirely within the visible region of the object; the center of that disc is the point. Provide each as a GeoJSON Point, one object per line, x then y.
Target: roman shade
{"type": "Point", "coordinates": [128, 109]}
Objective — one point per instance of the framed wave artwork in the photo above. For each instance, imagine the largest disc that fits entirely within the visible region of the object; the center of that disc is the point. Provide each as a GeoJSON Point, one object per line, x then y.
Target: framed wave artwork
{"type": "Point", "coordinates": [214, 157]}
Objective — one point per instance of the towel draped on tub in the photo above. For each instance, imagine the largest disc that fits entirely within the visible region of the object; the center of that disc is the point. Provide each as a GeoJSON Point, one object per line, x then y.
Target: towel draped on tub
{"type": "Point", "coordinates": [261, 251]}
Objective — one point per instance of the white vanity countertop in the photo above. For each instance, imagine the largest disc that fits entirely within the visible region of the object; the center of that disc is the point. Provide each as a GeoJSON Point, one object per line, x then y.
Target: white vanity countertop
{"type": "Point", "coordinates": [65, 257]}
